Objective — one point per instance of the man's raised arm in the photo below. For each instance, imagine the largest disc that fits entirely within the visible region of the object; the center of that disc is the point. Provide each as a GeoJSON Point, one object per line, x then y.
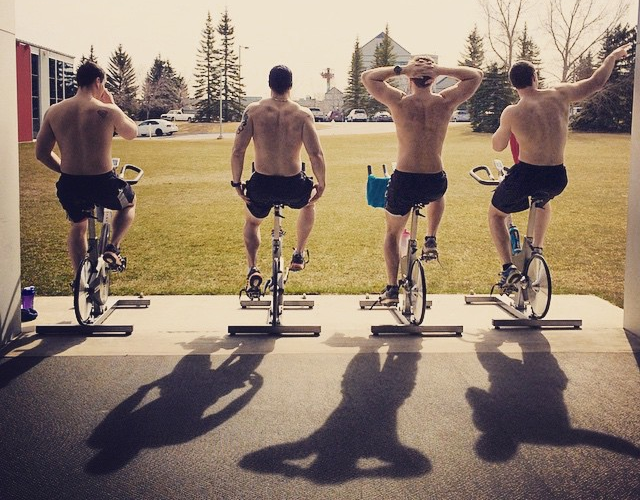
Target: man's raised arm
{"type": "Point", "coordinates": [584, 88]}
{"type": "Point", "coordinates": [374, 81]}
{"type": "Point", "coordinates": [469, 81]}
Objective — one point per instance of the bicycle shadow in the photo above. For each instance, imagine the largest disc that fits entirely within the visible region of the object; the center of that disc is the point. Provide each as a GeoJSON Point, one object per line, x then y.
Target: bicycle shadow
{"type": "Point", "coordinates": [525, 403]}
{"type": "Point", "coordinates": [178, 411]}
{"type": "Point", "coordinates": [360, 438]}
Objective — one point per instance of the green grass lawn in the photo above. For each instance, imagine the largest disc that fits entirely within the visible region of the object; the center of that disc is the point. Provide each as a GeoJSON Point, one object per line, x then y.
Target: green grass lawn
{"type": "Point", "coordinates": [187, 238]}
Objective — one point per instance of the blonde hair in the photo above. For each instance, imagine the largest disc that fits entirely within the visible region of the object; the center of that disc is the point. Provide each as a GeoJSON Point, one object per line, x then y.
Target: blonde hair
{"type": "Point", "coordinates": [423, 58]}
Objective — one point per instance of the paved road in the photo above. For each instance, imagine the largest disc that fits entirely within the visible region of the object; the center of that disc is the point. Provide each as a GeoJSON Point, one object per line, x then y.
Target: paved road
{"type": "Point", "coordinates": [323, 130]}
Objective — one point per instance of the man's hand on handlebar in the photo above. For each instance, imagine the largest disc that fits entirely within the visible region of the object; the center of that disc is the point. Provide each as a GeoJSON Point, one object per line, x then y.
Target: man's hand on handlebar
{"type": "Point", "coordinates": [240, 190]}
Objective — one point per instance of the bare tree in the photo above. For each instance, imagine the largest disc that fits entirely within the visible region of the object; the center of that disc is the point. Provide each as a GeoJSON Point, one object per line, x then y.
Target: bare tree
{"type": "Point", "coordinates": [575, 26]}
{"type": "Point", "coordinates": [503, 18]}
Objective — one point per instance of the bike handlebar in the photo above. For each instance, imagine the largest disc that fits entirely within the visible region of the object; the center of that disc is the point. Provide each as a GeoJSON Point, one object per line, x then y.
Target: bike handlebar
{"type": "Point", "coordinates": [138, 171]}
{"type": "Point", "coordinates": [489, 181]}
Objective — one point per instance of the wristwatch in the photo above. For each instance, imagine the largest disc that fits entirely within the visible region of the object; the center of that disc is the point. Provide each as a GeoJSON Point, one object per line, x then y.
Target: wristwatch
{"type": "Point", "coordinates": [236, 184]}
{"type": "Point", "coordinates": [397, 70]}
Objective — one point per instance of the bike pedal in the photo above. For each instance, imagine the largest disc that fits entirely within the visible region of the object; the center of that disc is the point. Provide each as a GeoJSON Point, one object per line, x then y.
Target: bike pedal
{"type": "Point", "coordinates": [431, 255]}
{"type": "Point", "coordinates": [253, 293]}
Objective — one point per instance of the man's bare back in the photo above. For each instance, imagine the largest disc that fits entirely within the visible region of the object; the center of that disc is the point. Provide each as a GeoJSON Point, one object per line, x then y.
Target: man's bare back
{"type": "Point", "coordinates": [422, 117]}
{"type": "Point", "coordinates": [278, 132]}
{"type": "Point", "coordinates": [421, 126]}
{"type": "Point", "coordinates": [540, 119]}
{"type": "Point", "coordinates": [540, 123]}
{"type": "Point", "coordinates": [83, 127]}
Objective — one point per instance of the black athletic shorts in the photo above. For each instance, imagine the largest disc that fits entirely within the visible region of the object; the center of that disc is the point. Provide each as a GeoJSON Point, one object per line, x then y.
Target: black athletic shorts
{"type": "Point", "coordinates": [524, 181]}
{"type": "Point", "coordinates": [79, 194]}
{"type": "Point", "coordinates": [406, 189]}
{"type": "Point", "coordinates": [264, 191]}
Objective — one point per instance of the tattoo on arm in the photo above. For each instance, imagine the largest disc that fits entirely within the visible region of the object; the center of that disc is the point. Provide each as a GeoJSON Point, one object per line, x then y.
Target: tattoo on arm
{"type": "Point", "coordinates": [243, 123]}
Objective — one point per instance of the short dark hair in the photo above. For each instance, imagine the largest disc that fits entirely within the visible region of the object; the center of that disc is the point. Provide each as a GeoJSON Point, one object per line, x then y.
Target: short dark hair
{"type": "Point", "coordinates": [280, 79]}
{"type": "Point", "coordinates": [521, 74]}
{"type": "Point", "coordinates": [87, 74]}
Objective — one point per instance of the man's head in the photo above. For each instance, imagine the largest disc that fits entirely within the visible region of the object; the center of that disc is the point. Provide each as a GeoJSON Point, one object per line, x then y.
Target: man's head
{"type": "Point", "coordinates": [425, 81]}
{"type": "Point", "coordinates": [87, 74]}
{"type": "Point", "coordinates": [522, 74]}
{"type": "Point", "coordinates": [280, 79]}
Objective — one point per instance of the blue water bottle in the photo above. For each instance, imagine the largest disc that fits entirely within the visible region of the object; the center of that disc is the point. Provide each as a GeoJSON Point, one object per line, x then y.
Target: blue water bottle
{"type": "Point", "coordinates": [514, 236]}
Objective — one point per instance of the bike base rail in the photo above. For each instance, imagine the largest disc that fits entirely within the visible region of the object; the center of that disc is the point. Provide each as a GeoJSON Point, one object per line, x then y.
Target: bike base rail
{"type": "Point", "coordinates": [287, 303]}
{"type": "Point", "coordinates": [405, 327]}
{"type": "Point", "coordinates": [280, 330]}
{"type": "Point", "coordinates": [98, 327]}
{"type": "Point", "coordinates": [520, 320]}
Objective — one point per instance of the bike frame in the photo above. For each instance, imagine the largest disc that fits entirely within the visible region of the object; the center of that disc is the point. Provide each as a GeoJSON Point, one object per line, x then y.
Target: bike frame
{"type": "Point", "coordinates": [278, 275]}
{"type": "Point", "coordinates": [96, 290]}
{"type": "Point", "coordinates": [522, 261]}
{"type": "Point", "coordinates": [276, 284]}
{"type": "Point", "coordinates": [412, 256]}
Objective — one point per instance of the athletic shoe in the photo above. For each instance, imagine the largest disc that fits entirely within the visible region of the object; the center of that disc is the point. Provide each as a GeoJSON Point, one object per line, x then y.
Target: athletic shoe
{"type": "Point", "coordinates": [254, 278]}
{"type": "Point", "coordinates": [297, 262]}
{"type": "Point", "coordinates": [430, 248]}
{"type": "Point", "coordinates": [113, 258]}
{"type": "Point", "coordinates": [509, 277]}
{"type": "Point", "coordinates": [389, 296]}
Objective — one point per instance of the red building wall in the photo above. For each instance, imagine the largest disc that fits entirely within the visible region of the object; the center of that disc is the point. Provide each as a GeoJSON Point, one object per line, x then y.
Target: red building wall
{"type": "Point", "coordinates": [23, 71]}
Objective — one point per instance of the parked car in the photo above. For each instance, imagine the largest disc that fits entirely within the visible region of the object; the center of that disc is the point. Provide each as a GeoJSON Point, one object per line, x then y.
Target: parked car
{"type": "Point", "coordinates": [357, 115]}
{"type": "Point", "coordinates": [156, 127]}
{"type": "Point", "coordinates": [461, 115]}
{"type": "Point", "coordinates": [318, 115]}
{"type": "Point", "coordinates": [179, 115]}
{"type": "Point", "coordinates": [335, 116]}
{"type": "Point", "coordinates": [382, 116]}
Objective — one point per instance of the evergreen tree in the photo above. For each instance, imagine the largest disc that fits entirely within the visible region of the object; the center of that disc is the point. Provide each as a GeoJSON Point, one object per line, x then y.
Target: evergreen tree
{"type": "Point", "coordinates": [229, 72]}
{"type": "Point", "coordinates": [383, 56]}
{"type": "Point", "coordinates": [92, 57]}
{"type": "Point", "coordinates": [474, 55]}
{"type": "Point", "coordinates": [355, 95]}
{"type": "Point", "coordinates": [207, 75]}
{"type": "Point", "coordinates": [162, 90]}
{"type": "Point", "coordinates": [121, 81]}
{"type": "Point", "coordinates": [493, 95]}
{"type": "Point", "coordinates": [528, 50]}
{"type": "Point", "coordinates": [610, 109]}
{"type": "Point", "coordinates": [474, 58]}
{"type": "Point", "coordinates": [584, 68]}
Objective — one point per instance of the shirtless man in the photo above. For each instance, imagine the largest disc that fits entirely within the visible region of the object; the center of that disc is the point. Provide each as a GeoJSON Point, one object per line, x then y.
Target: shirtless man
{"type": "Point", "coordinates": [279, 128]}
{"type": "Point", "coordinates": [539, 121]}
{"type": "Point", "coordinates": [421, 120]}
{"type": "Point", "coordinates": [83, 128]}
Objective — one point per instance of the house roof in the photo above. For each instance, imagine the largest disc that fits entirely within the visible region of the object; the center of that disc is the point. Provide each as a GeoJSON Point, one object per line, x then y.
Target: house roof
{"type": "Point", "coordinates": [370, 47]}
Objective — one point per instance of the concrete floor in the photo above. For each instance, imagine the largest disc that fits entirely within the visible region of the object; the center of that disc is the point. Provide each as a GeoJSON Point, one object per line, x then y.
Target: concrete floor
{"type": "Point", "coordinates": [179, 409]}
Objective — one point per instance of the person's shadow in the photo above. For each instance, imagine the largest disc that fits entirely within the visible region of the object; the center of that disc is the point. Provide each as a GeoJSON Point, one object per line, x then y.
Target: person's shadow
{"type": "Point", "coordinates": [525, 404]}
{"type": "Point", "coordinates": [178, 411]}
{"type": "Point", "coordinates": [360, 438]}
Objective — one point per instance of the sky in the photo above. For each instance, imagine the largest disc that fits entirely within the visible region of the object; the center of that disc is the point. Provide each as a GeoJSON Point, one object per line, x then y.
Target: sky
{"type": "Point", "coordinates": [309, 37]}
